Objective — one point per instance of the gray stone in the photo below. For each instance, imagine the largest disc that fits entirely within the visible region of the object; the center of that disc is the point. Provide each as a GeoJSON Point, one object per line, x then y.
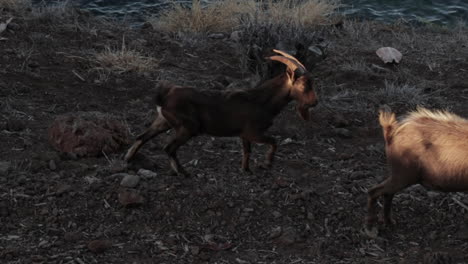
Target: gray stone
{"type": "Point", "coordinates": [216, 36]}
{"type": "Point", "coordinates": [236, 35]}
{"type": "Point", "coordinates": [147, 174]}
{"type": "Point", "coordinates": [52, 165]}
{"type": "Point", "coordinates": [342, 132]}
{"type": "Point", "coordinates": [130, 180]}
{"type": "Point", "coordinates": [276, 232]}
{"type": "Point", "coordinates": [4, 167]}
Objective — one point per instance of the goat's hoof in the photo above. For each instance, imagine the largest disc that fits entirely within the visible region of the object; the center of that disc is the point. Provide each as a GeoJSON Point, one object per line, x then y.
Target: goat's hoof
{"type": "Point", "coordinates": [179, 173]}
{"type": "Point", "coordinates": [264, 166]}
{"type": "Point", "coordinates": [371, 231]}
{"type": "Point", "coordinates": [246, 171]}
{"type": "Point", "coordinates": [183, 174]}
{"type": "Point", "coordinates": [171, 172]}
{"type": "Point", "coordinates": [387, 221]}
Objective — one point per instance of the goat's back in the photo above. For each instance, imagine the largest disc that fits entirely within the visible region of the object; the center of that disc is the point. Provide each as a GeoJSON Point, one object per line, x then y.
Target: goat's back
{"type": "Point", "coordinates": [435, 143]}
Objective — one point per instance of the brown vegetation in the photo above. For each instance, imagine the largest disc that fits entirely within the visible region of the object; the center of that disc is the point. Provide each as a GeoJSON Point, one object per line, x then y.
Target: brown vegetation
{"type": "Point", "coordinates": [229, 15]}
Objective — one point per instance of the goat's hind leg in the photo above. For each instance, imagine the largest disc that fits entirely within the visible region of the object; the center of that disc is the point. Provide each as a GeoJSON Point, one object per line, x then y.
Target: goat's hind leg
{"type": "Point", "coordinates": [158, 126]}
{"type": "Point", "coordinates": [246, 150]}
{"type": "Point", "coordinates": [181, 137]}
{"type": "Point", "coordinates": [387, 189]}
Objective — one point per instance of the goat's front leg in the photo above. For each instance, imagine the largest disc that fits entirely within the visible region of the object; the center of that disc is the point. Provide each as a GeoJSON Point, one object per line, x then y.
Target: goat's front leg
{"type": "Point", "coordinates": [181, 137]}
{"type": "Point", "coordinates": [387, 209]}
{"type": "Point", "coordinates": [271, 152]}
{"type": "Point", "coordinates": [373, 194]}
{"type": "Point", "coordinates": [246, 150]}
{"type": "Point", "coordinates": [158, 126]}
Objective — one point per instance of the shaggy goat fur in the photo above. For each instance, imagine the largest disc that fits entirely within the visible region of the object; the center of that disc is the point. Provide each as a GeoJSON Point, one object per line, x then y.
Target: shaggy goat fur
{"type": "Point", "coordinates": [426, 147]}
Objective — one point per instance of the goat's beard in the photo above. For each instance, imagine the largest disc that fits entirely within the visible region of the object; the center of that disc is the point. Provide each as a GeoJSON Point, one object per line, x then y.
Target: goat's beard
{"type": "Point", "coordinates": [303, 112]}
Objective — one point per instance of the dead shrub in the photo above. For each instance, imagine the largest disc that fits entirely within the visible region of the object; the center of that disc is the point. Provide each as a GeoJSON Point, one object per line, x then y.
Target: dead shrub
{"type": "Point", "coordinates": [123, 60]}
{"type": "Point", "coordinates": [226, 15]}
{"type": "Point", "coordinates": [16, 6]}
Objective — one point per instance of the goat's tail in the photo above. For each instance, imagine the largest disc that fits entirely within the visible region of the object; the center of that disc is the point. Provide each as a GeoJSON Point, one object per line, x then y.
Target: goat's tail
{"type": "Point", "coordinates": [162, 89]}
{"type": "Point", "coordinates": [388, 123]}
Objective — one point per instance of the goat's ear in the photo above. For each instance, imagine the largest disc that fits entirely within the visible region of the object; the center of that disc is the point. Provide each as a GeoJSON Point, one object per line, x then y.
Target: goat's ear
{"type": "Point", "coordinates": [290, 73]}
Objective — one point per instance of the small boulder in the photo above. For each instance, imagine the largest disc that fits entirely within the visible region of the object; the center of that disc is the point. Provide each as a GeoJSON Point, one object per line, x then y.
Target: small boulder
{"type": "Point", "coordinates": [389, 55]}
{"type": "Point", "coordinates": [88, 134]}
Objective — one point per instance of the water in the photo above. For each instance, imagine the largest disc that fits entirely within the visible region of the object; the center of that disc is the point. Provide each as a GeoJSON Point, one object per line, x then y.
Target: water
{"type": "Point", "coordinates": [435, 11]}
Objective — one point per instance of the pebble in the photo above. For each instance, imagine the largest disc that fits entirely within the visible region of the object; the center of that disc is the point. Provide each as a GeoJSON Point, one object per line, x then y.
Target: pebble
{"type": "Point", "coordinates": [147, 174]}
{"type": "Point", "coordinates": [287, 237]}
{"type": "Point", "coordinates": [342, 132]}
{"type": "Point", "coordinates": [4, 167]}
{"type": "Point", "coordinates": [91, 179]}
{"type": "Point", "coordinates": [276, 232]}
{"type": "Point", "coordinates": [13, 26]}
{"type": "Point", "coordinates": [52, 165]}
{"type": "Point", "coordinates": [236, 35]}
{"type": "Point", "coordinates": [216, 36]}
{"type": "Point", "coordinates": [130, 180]}
{"type": "Point", "coordinates": [339, 120]}
{"type": "Point", "coordinates": [15, 125]}
{"type": "Point", "coordinates": [4, 211]}
{"type": "Point", "coordinates": [276, 214]}
{"type": "Point", "coordinates": [72, 236]}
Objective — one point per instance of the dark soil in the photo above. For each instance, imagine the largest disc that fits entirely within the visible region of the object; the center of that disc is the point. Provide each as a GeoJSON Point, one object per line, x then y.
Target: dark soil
{"type": "Point", "coordinates": [309, 208]}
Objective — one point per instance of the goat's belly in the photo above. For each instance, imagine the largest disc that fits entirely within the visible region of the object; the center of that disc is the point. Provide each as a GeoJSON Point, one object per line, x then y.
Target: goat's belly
{"type": "Point", "coordinates": [220, 130]}
{"type": "Point", "coordinates": [446, 182]}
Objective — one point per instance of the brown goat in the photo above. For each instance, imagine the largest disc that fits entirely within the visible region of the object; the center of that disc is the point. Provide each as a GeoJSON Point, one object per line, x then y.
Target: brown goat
{"type": "Point", "coordinates": [244, 113]}
{"type": "Point", "coordinates": [427, 147]}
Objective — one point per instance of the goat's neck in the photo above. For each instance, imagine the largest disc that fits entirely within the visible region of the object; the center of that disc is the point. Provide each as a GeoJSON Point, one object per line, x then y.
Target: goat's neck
{"type": "Point", "coordinates": [280, 96]}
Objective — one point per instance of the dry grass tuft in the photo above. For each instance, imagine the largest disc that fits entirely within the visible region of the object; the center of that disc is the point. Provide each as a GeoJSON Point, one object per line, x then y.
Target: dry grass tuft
{"type": "Point", "coordinates": [123, 60]}
{"type": "Point", "coordinates": [297, 13]}
{"type": "Point", "coordinates": [402, 95]}
{"type": "Point", "coordinates": [218, 16]}
{"type": "Point", "coordinates": [228, 15]}
{"type": "Point", "coordinates": [15, 5]}
{"type": "Point", "coordinates": [52, 12]}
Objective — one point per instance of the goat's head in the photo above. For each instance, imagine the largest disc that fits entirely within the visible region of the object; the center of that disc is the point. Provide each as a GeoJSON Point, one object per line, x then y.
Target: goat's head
{"type": "Point", "coordinates": [300, 83]}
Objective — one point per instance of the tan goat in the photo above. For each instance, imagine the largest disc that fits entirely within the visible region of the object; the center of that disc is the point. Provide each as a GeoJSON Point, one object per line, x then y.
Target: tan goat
{"type": "Point", "coordinates": [426, 147]}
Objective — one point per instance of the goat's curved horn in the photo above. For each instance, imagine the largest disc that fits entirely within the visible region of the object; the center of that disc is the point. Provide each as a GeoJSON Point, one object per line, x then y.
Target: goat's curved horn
{"type": "Point", "coordinates": [292, 64]}
{"type": "Point", "coordinates": [291, 58]}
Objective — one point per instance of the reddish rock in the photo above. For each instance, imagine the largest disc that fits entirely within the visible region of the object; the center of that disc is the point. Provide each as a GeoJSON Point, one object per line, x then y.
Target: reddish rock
{"type": "Point", "coordinates": [88, 133]}
{"type": "Point", "coordinates": [130, 198]}
{"type": "Point", "coordinates": [72, 236]}
{"type": "Point", "coordinates": [99, 246]}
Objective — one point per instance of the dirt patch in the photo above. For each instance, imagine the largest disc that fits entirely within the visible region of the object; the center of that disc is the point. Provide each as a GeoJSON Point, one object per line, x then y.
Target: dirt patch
{"type": "Point", "coordinates": [309, 208]}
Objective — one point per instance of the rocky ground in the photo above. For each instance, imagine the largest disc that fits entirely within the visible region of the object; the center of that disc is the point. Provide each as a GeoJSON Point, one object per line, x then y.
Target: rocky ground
{"type": "Point", "coordinates": [309, 208]}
